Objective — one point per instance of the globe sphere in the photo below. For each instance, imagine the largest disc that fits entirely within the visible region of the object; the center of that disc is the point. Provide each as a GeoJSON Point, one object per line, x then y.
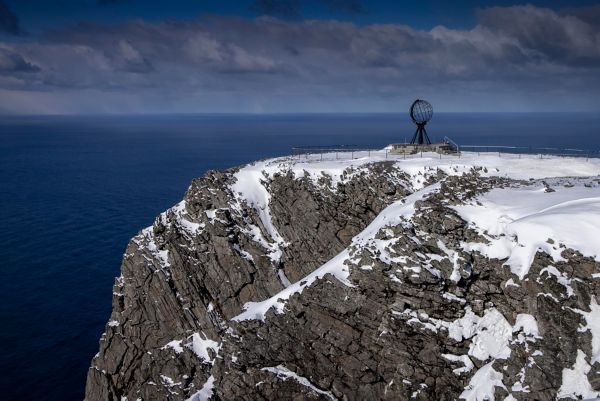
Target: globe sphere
{"type": "Point", "coordinates": [421, 111]}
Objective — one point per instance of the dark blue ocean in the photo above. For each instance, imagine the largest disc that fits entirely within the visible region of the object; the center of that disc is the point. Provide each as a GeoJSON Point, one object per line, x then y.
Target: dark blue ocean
{"type": "Point", "coordinates": [73, 190]}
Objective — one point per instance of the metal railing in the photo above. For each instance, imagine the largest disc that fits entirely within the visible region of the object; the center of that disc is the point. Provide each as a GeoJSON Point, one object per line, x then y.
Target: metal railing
{"type": "Point", "coordinates": [530, 150]}
{"type": "Point", "coordinates": [338, 151]}
{"type": "Point", "coordinates": [451, 142]}
{"type": "Point", "coordinates": [300, 151]}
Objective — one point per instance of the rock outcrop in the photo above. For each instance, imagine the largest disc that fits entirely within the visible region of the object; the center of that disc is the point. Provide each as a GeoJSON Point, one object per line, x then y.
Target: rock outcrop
{"type": "Point", "coordinates": [379, 279]}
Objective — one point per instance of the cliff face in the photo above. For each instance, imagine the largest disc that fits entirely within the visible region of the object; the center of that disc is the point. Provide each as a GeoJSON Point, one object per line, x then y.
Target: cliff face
{"type": "Point", "coordinates": [366, 279]}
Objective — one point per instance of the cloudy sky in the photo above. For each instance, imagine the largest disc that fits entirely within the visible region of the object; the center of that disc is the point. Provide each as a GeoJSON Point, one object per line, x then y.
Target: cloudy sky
{"type": "Point", "coordinates": [273, 56]}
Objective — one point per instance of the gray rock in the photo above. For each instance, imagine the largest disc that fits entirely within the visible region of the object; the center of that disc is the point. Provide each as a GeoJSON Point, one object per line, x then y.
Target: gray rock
{"type": "Point", "coordinates": [183, 280]}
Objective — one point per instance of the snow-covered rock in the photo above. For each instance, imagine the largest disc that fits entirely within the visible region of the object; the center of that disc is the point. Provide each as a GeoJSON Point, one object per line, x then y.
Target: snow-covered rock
{"type": "Point", "coordinates": [378, 277]}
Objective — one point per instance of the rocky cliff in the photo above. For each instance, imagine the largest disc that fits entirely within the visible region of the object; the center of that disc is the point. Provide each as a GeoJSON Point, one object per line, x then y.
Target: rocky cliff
{"type": "Point", "coordinates": [368, 279]}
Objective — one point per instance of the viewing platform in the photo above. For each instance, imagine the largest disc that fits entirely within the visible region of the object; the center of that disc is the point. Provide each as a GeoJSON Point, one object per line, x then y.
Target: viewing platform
{"type": "Point", "coordinates": [445, 147]}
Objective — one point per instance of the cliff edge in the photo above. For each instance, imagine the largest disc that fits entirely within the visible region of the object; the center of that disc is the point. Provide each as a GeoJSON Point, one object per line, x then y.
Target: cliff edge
{"type": "Point", "coordinates": [368, 279]}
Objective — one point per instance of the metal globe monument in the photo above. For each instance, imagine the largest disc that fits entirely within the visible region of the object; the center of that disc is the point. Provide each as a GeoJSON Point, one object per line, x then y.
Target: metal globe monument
{"type": "Point", "coordinates": [421, 111]}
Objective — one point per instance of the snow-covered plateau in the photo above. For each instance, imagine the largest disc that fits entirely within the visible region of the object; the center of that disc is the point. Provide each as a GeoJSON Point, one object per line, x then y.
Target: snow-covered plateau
{"type": "Point", "coordinates": [321, 277]}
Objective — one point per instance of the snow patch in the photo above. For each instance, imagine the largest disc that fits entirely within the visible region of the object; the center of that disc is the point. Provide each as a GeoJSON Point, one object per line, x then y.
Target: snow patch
{"type": "Point", "coordinates": [175, 345]}
{"type": "Point", "coordinates": [592, 319]}
{"type": "Point", "coordinates": [200, 347]}
{"type": "Point", "coordinates": [490, 335]}
{"type": "Point", "coordinates": [205, 392]}
{"type": "Point", "coordinates": [250, 187]}
{"type": "Point", "coordinates": [561, 278]}
{"type": "Point", "coordinates": [575, 382]}
{"type": "Point", "coordinates": [167, 381]}
{"type": "Point", "coordinates": [464, 359]}
{"type": "Point", "coordinates": [284, 374]}
{"type": "Point", "coordinates": [147, 242]}
{"type": "Point", "coordinates": [527, 324]}
{"type": "Point", "coordinates": [482, 385]}
{"type": "Point", "coordinates": [181, 217]}
{"type": "Point", "coordinates": [454, 257]}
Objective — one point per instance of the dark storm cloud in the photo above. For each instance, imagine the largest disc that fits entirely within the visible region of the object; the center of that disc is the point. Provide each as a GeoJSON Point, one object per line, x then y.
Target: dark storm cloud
{"type": "Point", "coordinates": [524, 57]}
{"type": "Point", "coordinates": [9, 22]}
